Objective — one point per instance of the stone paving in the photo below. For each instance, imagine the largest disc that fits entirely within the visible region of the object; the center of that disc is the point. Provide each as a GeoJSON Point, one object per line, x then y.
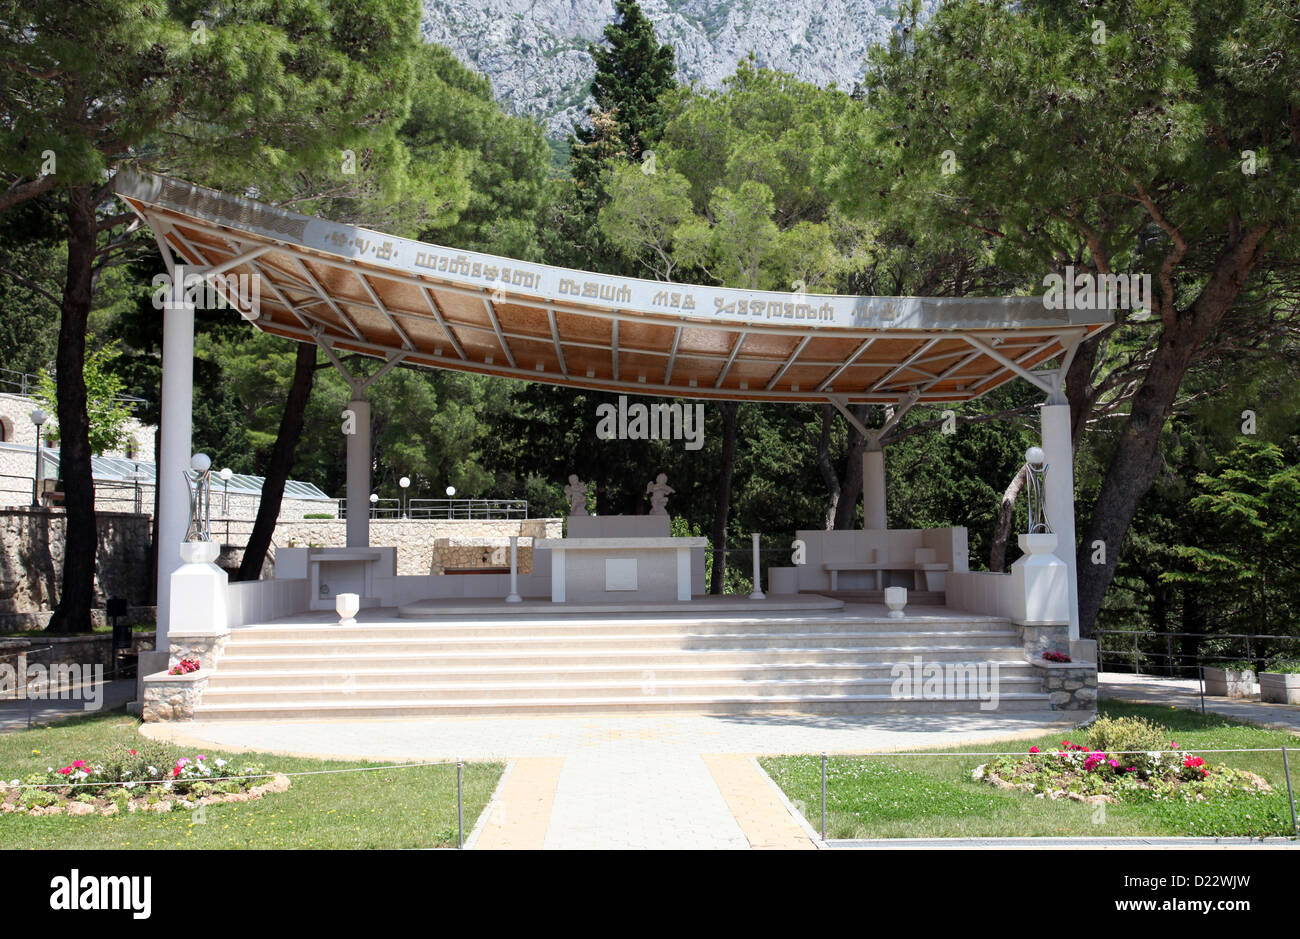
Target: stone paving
{"type": "Point", "coordinates": [662, 781]}
{"type": "Point", "coordinates": [1185, 693]}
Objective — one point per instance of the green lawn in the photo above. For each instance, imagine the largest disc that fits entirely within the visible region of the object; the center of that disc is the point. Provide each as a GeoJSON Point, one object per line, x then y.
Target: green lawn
{"type": "Point", "coordinates": [398, 808]}
{"type": "Point", "coordinates": [935, 797]}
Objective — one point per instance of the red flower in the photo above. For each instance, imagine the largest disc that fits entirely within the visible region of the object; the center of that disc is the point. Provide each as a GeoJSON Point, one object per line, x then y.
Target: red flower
{"type": "Point", "coordinates": [1033, 749]}
{"type": "Point", "coordinates": [132, 752]}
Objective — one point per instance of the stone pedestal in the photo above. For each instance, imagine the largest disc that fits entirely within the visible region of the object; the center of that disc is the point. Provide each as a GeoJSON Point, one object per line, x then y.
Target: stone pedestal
{"type": "Point", "coordinates": [1041, 587]}
{"type": "Point", "coordinates": [198, 595]}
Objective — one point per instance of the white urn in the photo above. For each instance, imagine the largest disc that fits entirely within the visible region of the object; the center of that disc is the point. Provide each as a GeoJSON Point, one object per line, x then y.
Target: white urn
{"type": "Point", "coordinates": [346, 605]}
{"type": "Point", "coordinates": [895, 599]}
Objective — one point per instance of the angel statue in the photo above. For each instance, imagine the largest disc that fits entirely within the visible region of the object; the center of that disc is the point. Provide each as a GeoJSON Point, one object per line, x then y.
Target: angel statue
{"type": "Point", "coordinates": [659, 491]}
{"type": "Point", "coordinates": [576, 493]}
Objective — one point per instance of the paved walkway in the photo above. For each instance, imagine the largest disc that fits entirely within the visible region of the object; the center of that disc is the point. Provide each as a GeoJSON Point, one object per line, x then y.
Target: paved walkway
{"type": "Point", "coordinates": [1185, 693]}
{"type": "Point", "coordinates": [662, 781]}
{"type": "Point", "coordinates": [110, 694]}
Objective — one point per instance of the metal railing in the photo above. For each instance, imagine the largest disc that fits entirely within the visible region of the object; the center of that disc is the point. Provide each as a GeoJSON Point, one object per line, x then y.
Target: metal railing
{"type": "Point", "coordinates": [450, 509]}
{"type": "Point", "coordinates": [26, 385]}
{"type": "Point", "coordinates": [1249, 643]}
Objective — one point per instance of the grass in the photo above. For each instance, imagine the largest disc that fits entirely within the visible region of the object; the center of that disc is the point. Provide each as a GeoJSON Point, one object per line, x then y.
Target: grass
{"type": "Point", "coordinates": [398, 808]}
{"type": "Point", "coordinates": [935, 797]}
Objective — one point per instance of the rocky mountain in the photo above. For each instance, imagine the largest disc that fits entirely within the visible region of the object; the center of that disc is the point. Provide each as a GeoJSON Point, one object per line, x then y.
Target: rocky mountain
{"type": "Point", "coordinates": [535, 51]}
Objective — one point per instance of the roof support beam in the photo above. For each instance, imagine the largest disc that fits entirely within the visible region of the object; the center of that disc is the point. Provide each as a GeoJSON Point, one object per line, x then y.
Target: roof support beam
{"type": "Point", "coordinates": [613, 348]}
{"type": "Point", "coordinates": [1007, 363]}
{"type": "Point", "coordinates": [325, 295]}
{"type": "Point", "coordinates": [379, 304]}
{"type": "Point", "coordinates": [442, 322]}
{"type": "Point", "coordinates": [788, 362]}
{"type": "Point", "coordinates": [496, 328]}
{"type": "Point", "coordinates": [906, 363]}
{"type": "Point", "coordinates": [740, 337]}
{"type": "Point", "coordinates": [555, 338]}
{"type": "Point", "coordinates": [672, 356]}
{"type": "Point", "coordinates": [826, 382]}
{"type": "Point", "coordinates": [358, 385]}
{"type": "Point", "coordinates": [875, 434]}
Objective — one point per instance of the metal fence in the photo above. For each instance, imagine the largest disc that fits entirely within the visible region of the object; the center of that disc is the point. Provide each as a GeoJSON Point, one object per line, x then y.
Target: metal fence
{"type": "Point", "coordinates": [1140, 652]}
{"type": "Point", "coordinates": [825, 757]}
{"type": "Point", "coordinates": [451, 509]}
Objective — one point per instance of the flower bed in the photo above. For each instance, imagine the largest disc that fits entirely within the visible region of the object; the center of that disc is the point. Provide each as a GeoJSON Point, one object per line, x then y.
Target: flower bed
{"type": "Point", "coordinates": [153, 779]}
{"type": "Point", "coordinates": [1103, 772]}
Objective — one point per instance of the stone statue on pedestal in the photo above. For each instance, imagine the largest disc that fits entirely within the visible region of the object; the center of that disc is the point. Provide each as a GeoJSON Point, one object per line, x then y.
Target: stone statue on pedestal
{"type": "Point", "coordinates": [576, 493]}
{"type": "Point", "coordinates": [659, 491]}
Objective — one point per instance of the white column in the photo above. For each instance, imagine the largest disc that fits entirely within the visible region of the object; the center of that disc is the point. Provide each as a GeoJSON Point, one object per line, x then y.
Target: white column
{"type": "Point", "coordinates": [174, 456]}
{"type": "Point", "coordinates": [757, 592]}
{"type": "Point", "coordinates": [873, 489]}
{"type": "Point", "coordinates": [358, 474]}
{"type": "Point", "coordinates": [1059, 495]}
{"type": "Point", "coordinates": [514, 571]}
{"type": "Point", "coordinates": [557, 574]}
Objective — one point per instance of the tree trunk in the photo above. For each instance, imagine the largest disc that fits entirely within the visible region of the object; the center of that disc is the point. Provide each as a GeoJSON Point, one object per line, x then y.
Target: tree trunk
{"type": "Point", "coordinates": [846, 514]}
{"type": "Point", "coordinates": [1006, 521]}
{"type": "Point", "coordinates": [1138, 457]}
{"type": "Point", "coordinates": [827, 467]}
{"type": "Point", "coordinates": [718, 581]}
{"type": "Point", "coordinates": [72, 615]}
{"type": "Point", "coordinates": [277, 470]}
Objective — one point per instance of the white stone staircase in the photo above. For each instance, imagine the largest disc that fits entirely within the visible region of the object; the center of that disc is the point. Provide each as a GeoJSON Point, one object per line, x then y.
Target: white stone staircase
{"type": "Point", "coordinates": [836, 662]}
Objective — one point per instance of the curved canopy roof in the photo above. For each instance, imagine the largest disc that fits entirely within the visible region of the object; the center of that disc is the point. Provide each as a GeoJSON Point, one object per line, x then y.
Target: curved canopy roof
{"type": "Point", "coordinates": [362, 291]}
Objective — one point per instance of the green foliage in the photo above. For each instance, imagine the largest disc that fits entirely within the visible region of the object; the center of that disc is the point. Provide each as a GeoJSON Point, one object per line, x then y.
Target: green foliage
{"type": "Point", "coordinates": [1248, 516]}
{"type": "Point", "coordinates": [108, 414]}
{"type": "Point", "coordinates": [634, 71]}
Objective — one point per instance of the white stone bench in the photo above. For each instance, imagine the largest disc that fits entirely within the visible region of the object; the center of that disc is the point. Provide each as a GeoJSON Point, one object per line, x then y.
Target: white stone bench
{"type": "Point", "coordinates": [927, 574]}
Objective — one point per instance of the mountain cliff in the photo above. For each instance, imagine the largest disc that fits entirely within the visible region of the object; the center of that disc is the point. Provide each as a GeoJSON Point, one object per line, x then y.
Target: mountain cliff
{"type": "Point", "coordinates": [535, 51]}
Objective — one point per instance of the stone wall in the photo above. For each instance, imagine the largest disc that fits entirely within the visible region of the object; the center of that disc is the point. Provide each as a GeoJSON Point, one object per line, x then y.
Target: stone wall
{"type": "Point", "coordinates": [424, 546]}
{"type": "Point", "coordinates": [1070, 686]}
{"type": "Point", "coordinates": [67, 650]}
{"type": "Point", "coordinates": [31, 562]}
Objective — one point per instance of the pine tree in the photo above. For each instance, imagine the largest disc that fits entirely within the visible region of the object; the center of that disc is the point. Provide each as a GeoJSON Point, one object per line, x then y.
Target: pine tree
{"type": "Point", "coordinates": [633, 73]}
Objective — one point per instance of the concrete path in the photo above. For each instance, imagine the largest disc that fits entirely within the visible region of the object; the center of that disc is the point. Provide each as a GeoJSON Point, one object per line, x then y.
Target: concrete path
{"type": "Point", "coordinates": [1185, 693]}
{"type": "Point", "coordinates": [662, 781]}
{"type": "Point", "coordinates": [106, 696]}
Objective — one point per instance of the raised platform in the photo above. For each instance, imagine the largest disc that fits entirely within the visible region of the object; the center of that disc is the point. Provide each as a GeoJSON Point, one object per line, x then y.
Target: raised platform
{"type": "Point", "coordinates": [536, 606]}
{"type": "Point", "coordinates": [719, 655]}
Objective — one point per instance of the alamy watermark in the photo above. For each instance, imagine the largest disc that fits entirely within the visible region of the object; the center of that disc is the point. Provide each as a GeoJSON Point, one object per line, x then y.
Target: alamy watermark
{"type": "Point", "coordinates": [657, 421]}
{"type": "Point", "coordinates": [61, 681]}
{"type": "Point", "coordinates": [919, 680]}
{"type": "Point", "coordinates": [1088, 291]}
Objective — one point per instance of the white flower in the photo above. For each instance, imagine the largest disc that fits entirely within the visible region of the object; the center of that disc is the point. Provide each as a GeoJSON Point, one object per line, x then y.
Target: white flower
{"type": "Point", "coordinates": [153, 770]}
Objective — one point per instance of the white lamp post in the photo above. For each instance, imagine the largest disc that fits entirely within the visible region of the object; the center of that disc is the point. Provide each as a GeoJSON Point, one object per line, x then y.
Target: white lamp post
{"type": "Point", "coordinates": [451, 492]}
{"type": "Point", "coordinates": [39, 418]}
{"type": "Point", "coordinates": [405, 483]}
{"type": "Point", "coordinates": [374, 500]}
{"type": "Point", "coordinates": [225, 475]}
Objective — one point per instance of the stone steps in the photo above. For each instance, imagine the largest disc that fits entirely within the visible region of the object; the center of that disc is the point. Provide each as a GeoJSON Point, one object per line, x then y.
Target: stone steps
{"type": "Point", "coordinates": [491, 664]}
{"type": "Point", "coordinates": [633, 704]}
{"type": "Point", "coordinates": [638, 658]}
{"type": "Point", "coordinates": [354, 679]}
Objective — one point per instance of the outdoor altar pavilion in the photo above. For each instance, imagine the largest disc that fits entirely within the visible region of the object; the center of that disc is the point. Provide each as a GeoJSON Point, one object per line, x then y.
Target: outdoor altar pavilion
{"type": "Point", "coordinates": [354, 291]}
